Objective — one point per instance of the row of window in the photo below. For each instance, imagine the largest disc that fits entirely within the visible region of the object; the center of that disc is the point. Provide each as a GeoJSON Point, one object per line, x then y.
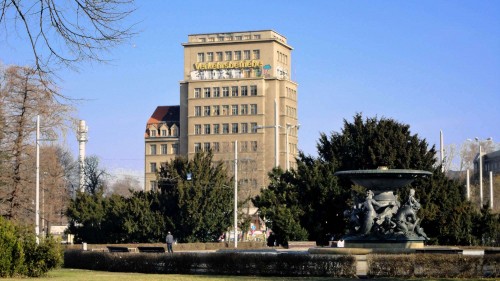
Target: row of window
{"type": "Point", "coordinates": [225, 147]}
{"type": "Point", "coordinates": [225, 110]}
{"type": "Point", "coordinates": [283, 58]}
{"type": "Point", "coordinates": [225, 128]}
{"type": "Point", "coordinates": [291, 111]}
{"type": "Point", "coordinates": [163, 131]}
{"type": "Point", "coordinates": [229, 38]}
{"type": "Point", "coordinates": [228, 56]}
{"type": "Point", "coordinates": [291, 93]}
{"type": "Point", "coordinates": [153, 149]}
{"type": "Point", "coordinates": [233, 91]}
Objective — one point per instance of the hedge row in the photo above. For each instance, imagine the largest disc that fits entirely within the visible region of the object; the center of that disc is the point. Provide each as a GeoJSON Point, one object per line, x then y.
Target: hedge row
{"type": "Point", "coordinates": [434, 266]}
{"type": "Point", "coordinates": [232, 263]}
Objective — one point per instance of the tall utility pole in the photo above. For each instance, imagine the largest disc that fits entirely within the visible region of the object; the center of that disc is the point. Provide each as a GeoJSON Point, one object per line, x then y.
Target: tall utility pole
{"type": "Point", "coordinates": [441, 148]}
{"type": "Point", "coordinates": [37, 182]}
{"type": "Point", "coordinates": [81, 135]}
{"type": "Point", "coordinates": [236, 194]}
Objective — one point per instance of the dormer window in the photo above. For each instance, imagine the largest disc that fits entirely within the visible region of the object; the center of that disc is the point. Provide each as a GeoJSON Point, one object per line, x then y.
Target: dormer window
{"type": "Point", "coordinates": [174, 131]}
{"type": "Point", "coordinates": [152, 132]}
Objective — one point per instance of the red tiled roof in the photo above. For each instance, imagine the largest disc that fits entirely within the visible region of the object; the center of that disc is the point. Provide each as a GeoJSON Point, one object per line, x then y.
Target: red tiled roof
{"type": "Point", "coordinates": [169, 114]}
{"type": "Point", "coordinates": [164, 114]}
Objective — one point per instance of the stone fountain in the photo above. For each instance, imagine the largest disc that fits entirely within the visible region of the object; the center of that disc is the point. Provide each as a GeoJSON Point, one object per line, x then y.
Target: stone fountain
{"type": "Point", "coordinates": [381, 220]}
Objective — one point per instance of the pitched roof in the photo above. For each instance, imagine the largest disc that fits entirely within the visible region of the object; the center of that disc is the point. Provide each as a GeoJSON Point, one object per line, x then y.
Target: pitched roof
{"type": "Point", "coordinates": [168, 114]}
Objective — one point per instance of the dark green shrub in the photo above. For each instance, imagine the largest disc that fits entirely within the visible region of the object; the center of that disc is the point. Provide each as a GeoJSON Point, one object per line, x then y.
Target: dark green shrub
{"type": "Point", "coordinates": [11, 251]}
{"type": "Point", "coordinates": [21, 256]}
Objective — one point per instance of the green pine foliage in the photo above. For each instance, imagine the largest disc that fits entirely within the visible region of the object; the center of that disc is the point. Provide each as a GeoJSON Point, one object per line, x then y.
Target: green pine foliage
{"type": "Point", "coordinates": [280, 205]}
{"type": "Point", "coordinates": [322, 198]}
{"type": "Point", "coordinates": [201, 207]}
{"type": "Point", "coordinates": [198, 209]}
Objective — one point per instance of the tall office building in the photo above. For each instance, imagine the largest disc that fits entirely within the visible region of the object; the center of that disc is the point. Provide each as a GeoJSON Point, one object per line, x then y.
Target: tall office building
{"type": "Point", "coordinates": [237, 87]}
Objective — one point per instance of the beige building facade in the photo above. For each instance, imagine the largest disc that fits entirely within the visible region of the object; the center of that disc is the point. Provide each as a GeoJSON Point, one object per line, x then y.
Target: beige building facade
{"type": "Point", "coordinates": [237, 87]}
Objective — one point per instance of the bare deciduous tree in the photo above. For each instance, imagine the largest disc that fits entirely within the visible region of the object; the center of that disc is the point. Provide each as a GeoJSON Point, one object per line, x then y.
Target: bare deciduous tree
{"type": "Point", "coordinates": [123, 185]}
{"type": "Point", "coordinates": [68, 31]}
{"type": "Point", "coordinates": [23, 96]}
{"type": "Point", "coordinates": [95, 178]}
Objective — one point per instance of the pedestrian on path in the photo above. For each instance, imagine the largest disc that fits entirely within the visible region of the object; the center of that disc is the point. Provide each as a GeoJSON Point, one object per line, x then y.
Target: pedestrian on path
{"type": "Point", "coordinates": [170, 241]}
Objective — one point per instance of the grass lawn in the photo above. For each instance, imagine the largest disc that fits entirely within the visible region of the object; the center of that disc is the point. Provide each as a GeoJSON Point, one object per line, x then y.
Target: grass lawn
{"type": "Point", "coordinates": [84, 275]}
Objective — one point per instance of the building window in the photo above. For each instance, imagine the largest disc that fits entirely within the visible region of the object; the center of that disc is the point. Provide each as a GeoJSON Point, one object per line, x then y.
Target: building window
{"type": "Point", "coordinates": [244, 91]}
{"type": "Point", "coordinates": [201, 57]}
{"type": "Point", "coordinates": [174, 131]}
{"type": "Point", "coordinates": [229, 55]}
{"type": "Point", "coordinates": [202, 39]}
{"type": "Point", "coordinates": [197, 111]}
{"type": "Point", "coordinates": [253, 145]}
{"type": "Point", "coordinates": [216, 129]}
{"type": "Point", "coordinates": [197, 147]}
{"type": "Point", "coordinates": [246, 54]}
{"type": "Point", "coordinates": [256, 36]}
{"type": "Point", "coordinates": [175, 148]}
{"type": "Point", "coordinates": [234, 91]}
{"type": "Point", "coordinates": [244, 128]}
{"type": "Point", "coordinates": [216, 92]}
{"type": "Point", "coordinates": [152, 132]}
{"type": "Point", "coordinates": [197, 93]}
{"type": "Point", "coordinates": [225, 91]}
{"type": "Point", "coordinates": [220, 38]}
{"type": "Point", "coordinates": [253, 109]}
{"type": "Point", "coordinates": [253, 127]}
{"type": "Point", "coordinates": [253, 90]}
{"type": "Point", "coordinates": [153, 186]}
{"type": "Point", "coordinates": [164, 133]}
{"type": "Point", "coordinates": [234, 109]}
{"type": "Point", "coordinates": [206, 110]}
{"type": "Point", "coordinates": [244, 146]}
{"type": "Point", "coordinates": [152, 167]}
{"type": "Point", "coordinates": [152, 149]}
{"type": "Point", "coordinates": [234, 128]}
{"type": "Point", "coordinates": [210, 56]}
{"type": "Point", "coordinates": [197, 129]}
{"type": "Point", "coordinates": [256, 54]}
{"type": "Point", "coordinates": [246, 37]}
{"type": "Point", "coordinates": [225, 110]}
{"type": "Point", "coordinates": [244, 109]}
{"type": "Point", "coordinates": [225, 128]}
{"type": "Point", "coordinates": [206, 146]}
{"type": "Point", "coordinates": [246, 73]}
{"type": "Point", "coordinates": [216, 147]}
{"type": "Point", "coordinates": [237, 55]}
{"type": "Point", "coordinates": [163, 149]}
{"type": "Point", "coordinates": [207, 129]}
{"type": "Point", "coordinates": [219, 56]}
{"type": "Point", "coordinates": [206, 92]}
{"type": "Point", "coordinates": [211, 39]}
{"type": "Point", "coordinates": [238, 37]}
{"type": "Point", "coordinates": [216, 110]}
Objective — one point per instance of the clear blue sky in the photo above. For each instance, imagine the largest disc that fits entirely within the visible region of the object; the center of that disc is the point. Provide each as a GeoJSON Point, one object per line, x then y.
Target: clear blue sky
{"type": "Point", "coordinates": [434, 65]}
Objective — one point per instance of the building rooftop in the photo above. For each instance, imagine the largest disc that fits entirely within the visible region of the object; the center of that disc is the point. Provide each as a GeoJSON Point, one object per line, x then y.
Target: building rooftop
{"type": "Point", "coordinates": [165, 114]}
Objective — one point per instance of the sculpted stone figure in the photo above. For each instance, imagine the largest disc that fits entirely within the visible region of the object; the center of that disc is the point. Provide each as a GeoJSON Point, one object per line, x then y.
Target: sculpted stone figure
{"type": "Point", "coordinates": [388, 220]}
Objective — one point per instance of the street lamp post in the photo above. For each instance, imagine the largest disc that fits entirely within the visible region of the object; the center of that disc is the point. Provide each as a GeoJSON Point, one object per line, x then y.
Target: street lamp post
{"type": "Point", "coordinates": [236, 194]}
{"type": "Point", "coordinates": [481, 170]}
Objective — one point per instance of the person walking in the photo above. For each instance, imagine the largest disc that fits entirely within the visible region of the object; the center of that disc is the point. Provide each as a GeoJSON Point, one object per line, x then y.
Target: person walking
{"type": "Point", "coordinates": [170, 241]}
